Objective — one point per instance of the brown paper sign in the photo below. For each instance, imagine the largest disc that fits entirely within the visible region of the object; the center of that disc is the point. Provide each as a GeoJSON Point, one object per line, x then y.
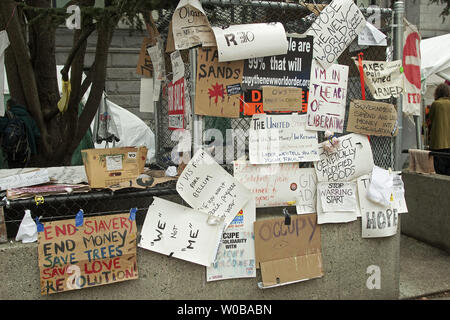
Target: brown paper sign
{"type": "Point", "coordinates": [288, 253]}
{"type": "Point", "coordinates": [213, 78]}
{"type": "Point", "coordinates": [145, 66]}
{"type": "Point", "coordinates": [282, 99]}
{"type": "Point", "coordinates": [100, 251]}
{"type": "Point", "coordinates": [372, 118]}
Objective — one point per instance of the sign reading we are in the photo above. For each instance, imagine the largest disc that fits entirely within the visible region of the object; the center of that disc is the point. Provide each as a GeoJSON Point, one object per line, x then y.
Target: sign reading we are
{"type": "Point", "coordinates": [100, 251]}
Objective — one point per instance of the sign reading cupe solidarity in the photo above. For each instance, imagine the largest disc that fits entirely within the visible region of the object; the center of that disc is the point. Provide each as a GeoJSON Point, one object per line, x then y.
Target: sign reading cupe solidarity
{"type": "Point", "coordinates": [175, 94]}
{"type": "Point", "coordinates": [100, 251]}
{"type": "Point", "coordinates": [352, 159]}
{"type": "Point", "coordinates": [281, 138]}
{"type": "Point", "coordinates": [372, 118]}
{"type": "Point", "coordinates": [214, 79]}
{"type": "Point", "coordinates": [327, 97]}
{"type": "Point", "coordinates": [236, 254]}
{"type": "Point", "coordinates": [292, 69]}
{"type": "Point", "coordinates": [334, 29]}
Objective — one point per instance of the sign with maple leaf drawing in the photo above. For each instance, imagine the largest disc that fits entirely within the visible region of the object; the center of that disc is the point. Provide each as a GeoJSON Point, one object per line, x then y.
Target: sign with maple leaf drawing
{"type": "Point", "coordinates": [218, 85]}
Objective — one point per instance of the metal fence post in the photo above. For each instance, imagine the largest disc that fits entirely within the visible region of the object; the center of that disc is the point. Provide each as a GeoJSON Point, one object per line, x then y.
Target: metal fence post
{"type": "Point", "coordinates": [399, 10]}
{"type": "Point", "coordinates": [196, 119]}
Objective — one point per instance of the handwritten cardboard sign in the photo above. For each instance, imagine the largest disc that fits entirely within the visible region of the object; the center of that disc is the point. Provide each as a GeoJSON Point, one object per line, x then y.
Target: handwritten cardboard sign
{"type": "Point", "coordinates": [180, 232]}
{"type": "Point", "coordinates": [334, 29]}
{"type": "Point", "coordinates": [175, 94]}
{"type": "Point", "coordinates": [372, 118]}
{"type": "Point", "coordinates": [282, 99]}
{"type": "Point", "coordinates": [190, 26]}
{"type": "Point", "coordinates": [236, 255]}
{"type": "Point", "coordinates": [213, 78]}
{"type": "Point", "coordinates": [144, 66]}
{"type": "Point", "coordinates": [238, 42]}
{"type": "Point", "coordinates": [100, 251]}
{"type": "Point", "coordinates": [306, 199]}
{"type": "Point", "coordinates": [377, 220]}
{"type": "Point", "coordinates": [337, 202]}
{"type": "Point", "coordinates": [209, 188]}
{"type": "Point", "coordinates": [352, 159]}
{"type": "Point", "coordinates": [383, 78]}
{"type": "Point", "coordinates": [272, 185]}
{"type": "Point", "coordinates": [288, 253]}
{"type": "Point", "coordinates": [280, 139]}
{"type": "Point", "coordinates": [327, 97]}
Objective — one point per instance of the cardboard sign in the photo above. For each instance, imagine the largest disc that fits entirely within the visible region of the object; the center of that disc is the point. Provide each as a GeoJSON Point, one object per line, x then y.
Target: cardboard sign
{"type": "Point", "coordinates": [372, 118]}
{"type": "Point", "coordinates": [144, 66]}
{"type": "Point", "coordinates": [236, 255]}
{"type": "Point", "coordinates": [327, 98]}
{"type": "Point", "coordinates": [180, 232]}
{"type": "Point", "coordinates": [377, 220]}
{"type": "Point", "coordinates": [100, 251]}
{"type": "Point", "coordinates": [352, 159]}
{"type": "Point", "coordinates": [190, 26]}
{"type": "Point", "coordinates": [411, 70]}
{"type": "Point", "coordinates": [253, 103]}
{"type": "Point", "coordinates": [337, 202]}
{"type": "Point", "coordinates": [306, 199]}
{"type": "Point", "coordinates": [244, 41]}
{"type": "Point", "coordinates": [175, 94]}
{"type": "Point", "coordinates": [271, 185]}
{"type": "Point", "coordinates": [334, 29]}
{"type": "Point", "coordinates": [209, 188]}
{"type": "Point", "coordinates": [106, 168]}
{"type": "Point", "coordinates": [282, 99]}
{"type": "Point", "coordinates": [383, 78]}
{"type": "Point", "coordinates": [213, 78]}
{"type": "Point", "coordinates": [288, 253]}
{"type": "Point", "coordinates": [280, 139]}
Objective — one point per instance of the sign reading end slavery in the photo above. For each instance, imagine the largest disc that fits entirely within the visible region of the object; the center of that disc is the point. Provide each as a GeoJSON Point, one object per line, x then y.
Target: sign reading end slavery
{"type": "Point", "coordinates": [101, 251]}
{"type": "Point", "coordinates": [372, 118]}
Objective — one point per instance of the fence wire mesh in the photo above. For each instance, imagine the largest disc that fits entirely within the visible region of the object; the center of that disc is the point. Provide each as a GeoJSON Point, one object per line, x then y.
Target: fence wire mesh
{"type": "Point", "coordinates": [296, 18]}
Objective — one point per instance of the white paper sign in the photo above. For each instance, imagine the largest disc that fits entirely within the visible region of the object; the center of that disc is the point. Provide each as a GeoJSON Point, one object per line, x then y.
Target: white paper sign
{"type": "Point", "coordinates": [377, 220]}
{"type": "Point", "coordinates": [32, 178]}
{"type": "Point", "coordinates": [337, 196]}
{"type": "Point", "coordinates": [280, 139]}
{"type": "Point", "coordinates": [371, 36]}
{"type": "Point", "coordinates": [411, 70]}
{"type": "Point", "coordinates": [146, 96]}
{"type": "Point", "coordinates": [180, 232]}
{"type": "Point", "coordinates": [177, 65]}
{"type": "Point", "coordinates": [244, 41]}
{"type": "Point", "coordinates": [327, 98]}
{"type": "Point", "coordinates": [352, 159]}
{"type": "Point", "coordinates": [306, 199]}
{"type": "Point", "coordinates": [190, 26]}
{"type": "Point", "coordinates": [236, 255]}
{"type": "Point", "coordinates": [156, 54]}
{"type": "Point", "coordinates": [334, 29]}
{"type": "Point", "coordinates": [4, 43]}
{"type": "Point", "coordinates": [272, 185]}
{"type": "Point", "coordinates": [398, 195]}
{"type": "Point", "coordinates": [383, 78]}
{"type": "Point", "coordinates": [114, 162]}
{"type": "Point", "coordinates": [209, 188]}
{"type": "Point", "coordinates": [336, 216]}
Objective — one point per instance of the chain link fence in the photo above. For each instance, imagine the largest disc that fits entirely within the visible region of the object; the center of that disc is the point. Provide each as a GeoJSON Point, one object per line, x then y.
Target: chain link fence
{"type": "Point", "coordinates": [296, 18]}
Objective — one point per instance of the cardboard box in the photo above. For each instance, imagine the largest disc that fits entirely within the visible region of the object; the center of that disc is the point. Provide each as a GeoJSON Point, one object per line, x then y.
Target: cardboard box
{"type": "Point", "coordinates": [106, 168]}
{"type": "Point", "coordinates": [288, 253]}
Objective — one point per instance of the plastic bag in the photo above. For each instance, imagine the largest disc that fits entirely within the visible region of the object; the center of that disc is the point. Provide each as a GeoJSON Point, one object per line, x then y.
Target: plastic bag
{"type": "Point", "coordinates": [27, 229]}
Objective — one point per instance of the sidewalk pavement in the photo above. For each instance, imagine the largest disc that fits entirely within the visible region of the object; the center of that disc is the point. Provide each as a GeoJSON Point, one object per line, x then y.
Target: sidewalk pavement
{"type": "Point", "coordinates": [424, 271]}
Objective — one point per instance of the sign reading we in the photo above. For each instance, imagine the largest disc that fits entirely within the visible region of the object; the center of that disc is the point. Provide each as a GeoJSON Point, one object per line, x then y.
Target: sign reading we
{"type": "Point", "coordinates": [100, 251]}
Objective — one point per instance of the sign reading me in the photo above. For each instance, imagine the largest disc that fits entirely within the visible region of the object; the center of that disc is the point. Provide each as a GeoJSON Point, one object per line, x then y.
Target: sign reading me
{"type": "Point", "coordinates": [101, 251]}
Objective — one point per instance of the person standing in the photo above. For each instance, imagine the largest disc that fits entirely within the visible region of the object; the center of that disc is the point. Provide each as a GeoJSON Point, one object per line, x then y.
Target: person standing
{"type": "Point", "coordinates": [440, 128]}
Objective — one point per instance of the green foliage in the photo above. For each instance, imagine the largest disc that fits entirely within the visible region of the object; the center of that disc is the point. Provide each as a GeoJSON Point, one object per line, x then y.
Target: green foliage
{"type": "Point", "coordinates": [445, 12]}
